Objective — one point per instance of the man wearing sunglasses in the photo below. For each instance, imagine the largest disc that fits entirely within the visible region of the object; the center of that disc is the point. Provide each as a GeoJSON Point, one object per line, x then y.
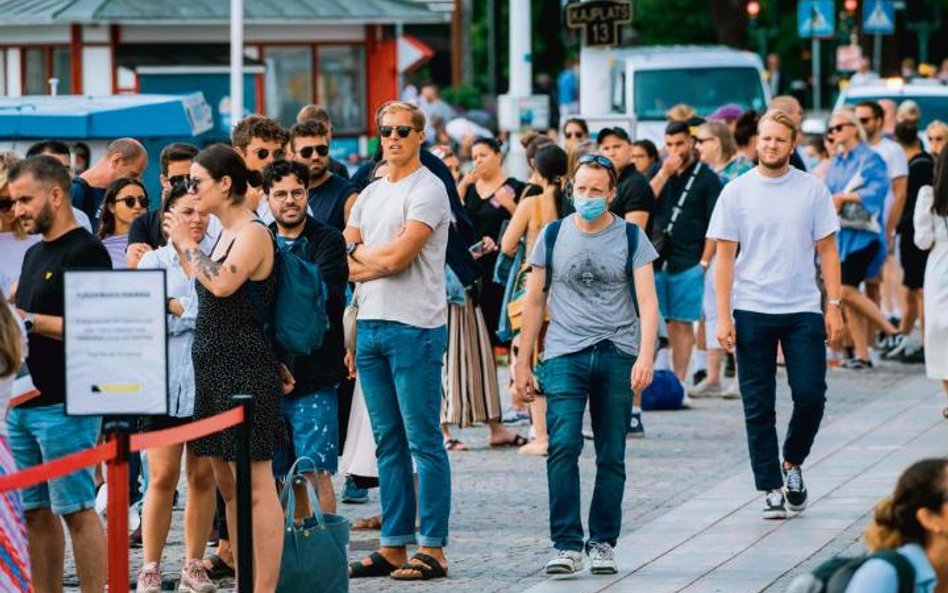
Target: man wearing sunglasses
{"type": "Point", "coordinates": [260, 141]}
{"type": "Point", "coordinates": [330, 196]}
{"type": "Point", "coordinates": [397, 237]}
{"type": "Point", "coordinates": [175, 170]}
{"type": "Point", "coordinates": [125, 157]}
{"type": "Point", "coordinates": [316, 112]}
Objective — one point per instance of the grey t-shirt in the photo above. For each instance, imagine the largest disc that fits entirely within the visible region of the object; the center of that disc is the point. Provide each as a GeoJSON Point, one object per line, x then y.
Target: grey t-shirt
{"type": "Point", "coordinates": [415, 296]}
{"type": "Point", "coordinates": [589, 296]}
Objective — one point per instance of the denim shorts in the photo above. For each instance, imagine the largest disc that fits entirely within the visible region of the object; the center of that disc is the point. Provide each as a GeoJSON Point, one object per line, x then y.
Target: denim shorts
{"type": "Point", "coordinates": [680, 295]}
{"type": "Point", "coordinates": [41, 434]}
{"type": "Point", "coordinates": [312, 421]}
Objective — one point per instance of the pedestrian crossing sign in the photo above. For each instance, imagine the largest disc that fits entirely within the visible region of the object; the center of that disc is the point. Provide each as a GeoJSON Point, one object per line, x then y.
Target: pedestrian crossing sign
{"type": "Point", "coordinates": [878, 17]}
{"type": "Point", "coordinates": [816, 18]}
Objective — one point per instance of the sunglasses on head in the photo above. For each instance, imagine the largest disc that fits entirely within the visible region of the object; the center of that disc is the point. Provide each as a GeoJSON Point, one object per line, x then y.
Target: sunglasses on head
{"type": "Point", "coordinates": [320, 149]}
{"type": "Point", "coordinates": [264, 153]}
{"type": "Point", "coordinates": [598, 159]}
{"type": "Point", "coordinates": [6, 205]}
{"type": "Point", "coordinates": [838, 127]}
{"type": "Point", "coordinates": [129, 201]}
{"type": "Point", "coordinates": [403, 131]}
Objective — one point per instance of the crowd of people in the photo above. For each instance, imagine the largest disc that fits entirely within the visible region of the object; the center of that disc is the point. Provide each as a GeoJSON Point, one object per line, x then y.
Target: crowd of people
{"type": "Point", "coordinates": [716, 256]}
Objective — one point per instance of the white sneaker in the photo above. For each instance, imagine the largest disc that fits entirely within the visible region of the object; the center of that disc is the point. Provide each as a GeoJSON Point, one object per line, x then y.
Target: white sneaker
{"type": "Point", "coordinates": [706, 389]}
{"type": "Point", "coordinates": [565, 562]}
{"type": "Point", "coordinates": [732, 391]}
{"type": "Point", "coordinates": [149, 579]}
{"type": "Point", "coordinates": [602, 559]}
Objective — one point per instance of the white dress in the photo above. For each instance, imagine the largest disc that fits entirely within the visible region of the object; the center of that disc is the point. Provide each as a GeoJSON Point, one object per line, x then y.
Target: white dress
{"type": "Point", "coordinates": [931, 232]}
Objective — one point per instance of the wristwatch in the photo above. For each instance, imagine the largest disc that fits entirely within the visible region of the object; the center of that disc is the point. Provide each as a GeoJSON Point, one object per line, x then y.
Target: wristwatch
{"type": "Point", "coordinates": [351, 247]}
{"type": "Point", "coordinates": [29, 322]}
{"type": "Point", "coordinates": [704, 264]}
{"type": "Point", "coordinates": [835, 302]}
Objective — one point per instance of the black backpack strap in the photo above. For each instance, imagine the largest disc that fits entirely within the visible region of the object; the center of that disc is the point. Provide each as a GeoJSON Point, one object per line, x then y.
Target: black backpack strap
{"type": "Point", "coordinates": [902, 566]}
{"type": "Point", "coordinates": [550, 233]}
{"type": "Point", "coordinates": [632, 238]}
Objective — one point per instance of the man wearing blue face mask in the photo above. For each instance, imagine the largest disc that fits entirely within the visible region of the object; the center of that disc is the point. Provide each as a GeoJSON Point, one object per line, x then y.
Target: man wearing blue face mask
{"type": "Point", "coordinates": [599, 346]}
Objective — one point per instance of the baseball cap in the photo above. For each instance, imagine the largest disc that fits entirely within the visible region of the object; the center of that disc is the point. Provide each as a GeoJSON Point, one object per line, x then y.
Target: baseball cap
{"type": "Point", "coordinates": [614, 131]}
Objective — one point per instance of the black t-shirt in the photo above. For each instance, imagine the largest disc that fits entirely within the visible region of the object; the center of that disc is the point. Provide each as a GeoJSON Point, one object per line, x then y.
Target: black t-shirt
{"type": "Point", "coordinates": [338, 168]}
{"type": "Point", "coordinates": [41, 292]}
{"type": "Point", "coordinates": [87, 198]}
{"type": "Point", "coordinates": [146, 228]}
{"type": "Point", "coordinates": [921, 170]}
{"type": "Point", "coordinates": [328, 201]}
{"type": "Point", "coordinates": [325, 247]}
{"type": "Point", "coordinates": [488, 214]}
{"type": "Point", "coordinates": [690, 228]}
{"type": "Point", "coordinates": [633, 194]}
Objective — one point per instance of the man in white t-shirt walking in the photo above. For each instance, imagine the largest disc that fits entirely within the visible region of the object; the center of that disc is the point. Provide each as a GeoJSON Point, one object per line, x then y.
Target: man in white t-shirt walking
{"type": "Point", "coordinates": [778, 215]}
{"type": "Point", "coordinates": [397, 236]}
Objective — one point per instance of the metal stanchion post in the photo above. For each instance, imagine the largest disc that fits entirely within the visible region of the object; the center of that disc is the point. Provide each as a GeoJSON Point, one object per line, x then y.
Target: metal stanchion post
{"type": "Point", "coordinates": [244, 498]}
{"type": "Point", "coordinates": [118, 429]}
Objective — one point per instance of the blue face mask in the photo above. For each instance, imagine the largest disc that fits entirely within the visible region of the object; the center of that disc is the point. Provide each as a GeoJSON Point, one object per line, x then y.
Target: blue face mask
{"type": "Point", "coordinates": [589, 209]}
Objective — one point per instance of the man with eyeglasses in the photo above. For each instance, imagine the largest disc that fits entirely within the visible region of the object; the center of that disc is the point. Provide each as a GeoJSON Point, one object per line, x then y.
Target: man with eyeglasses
{"type": "Point", "coordinates": [311, 409]}
{"type": "Point", "coordinates": [594, 269]}
{"type": "Point", "coordinates": [175, 170]}
{"type": "Point", "coordinates": [260, 141]}
{"type": "Point", "coordinates": [397, 237]}
{"type": "Point", "coordinates": [330, 196]}
{"type": "Point", "coordinates": [872, 117]}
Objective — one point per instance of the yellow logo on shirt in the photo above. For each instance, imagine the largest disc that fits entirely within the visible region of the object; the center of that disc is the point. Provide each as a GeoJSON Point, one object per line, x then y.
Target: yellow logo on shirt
{"type": "Point", "coordinates": [48, 274]}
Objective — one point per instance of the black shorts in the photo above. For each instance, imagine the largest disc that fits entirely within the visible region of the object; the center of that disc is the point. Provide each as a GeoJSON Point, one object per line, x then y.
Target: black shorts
{"type": "Point", "coordinates": [150, 423]}
{"type": "Point", "coordinates": [856, 265]}
{"type": "Point", "coordinates": [913, 262]}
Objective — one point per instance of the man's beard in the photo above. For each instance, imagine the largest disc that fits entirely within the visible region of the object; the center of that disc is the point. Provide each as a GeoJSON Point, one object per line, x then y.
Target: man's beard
{"type": "Point", "coordinates": [43, 221]}
{"type": "Point", "coordinates": [775, 166]}
{"type": "Point", "coordinates": [317, 173]}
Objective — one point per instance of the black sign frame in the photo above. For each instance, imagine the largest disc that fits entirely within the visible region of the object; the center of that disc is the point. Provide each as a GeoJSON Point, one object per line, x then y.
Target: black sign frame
{"type": "Point", "coordinates": [599, 19]}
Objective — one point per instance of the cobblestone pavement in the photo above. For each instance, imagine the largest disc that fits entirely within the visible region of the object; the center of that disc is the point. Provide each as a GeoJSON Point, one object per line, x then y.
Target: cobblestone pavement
{"type": "Point", "coordinates": [499, 537]}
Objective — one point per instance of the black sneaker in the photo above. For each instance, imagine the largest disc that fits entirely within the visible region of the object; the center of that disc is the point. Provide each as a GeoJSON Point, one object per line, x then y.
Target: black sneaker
{"type": "Point", "coordinates": [856, 364]}
{"type": "Point", "coordinates": [699, 376]}
{"type": "Point", "coordinates": [916, 356]}
{"type": "Point", "coordinates": [795, 489]}
{"type": "Point", "coordinates": [897, 345]}
{"type": "Point", "coordinates": [774, 505]}
{"type": "Point", "coordinates": [636, 428]}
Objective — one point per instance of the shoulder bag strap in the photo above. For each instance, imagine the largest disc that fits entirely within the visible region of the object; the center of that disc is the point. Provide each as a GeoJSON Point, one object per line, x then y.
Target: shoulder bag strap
{"type": "Point", "coordinates": [549, 240]}
{"type": "Point", "coordinates": [632, 238]}
{"type": "Point", "coordinates": [676, 211]}
{"type": "Point", "coordinates": [902, 566]}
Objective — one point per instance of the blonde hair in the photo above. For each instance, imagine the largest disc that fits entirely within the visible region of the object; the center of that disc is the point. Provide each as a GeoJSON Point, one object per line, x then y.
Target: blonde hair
{"type": "Point", "coordinates": [417, 115]}
{"type": "Point", "coordinates": [7, 160]}
{"type": "Point", "coordinates": [719, 130]}
{"type": "Point", "coordinates": [680, 112]}
{"type": "Point", "coordinates": [11, 340]}
{"type": "Point", "coordinates": [779, 116]}
{"type": "Point", "coordinates": [850, 117]}
{"type": "Point", "coordinates": [937, 126]}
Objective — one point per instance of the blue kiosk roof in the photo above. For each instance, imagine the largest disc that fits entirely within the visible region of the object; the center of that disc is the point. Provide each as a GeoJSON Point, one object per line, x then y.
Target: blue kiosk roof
{"type": "Point", "coordinates": [107, 117]}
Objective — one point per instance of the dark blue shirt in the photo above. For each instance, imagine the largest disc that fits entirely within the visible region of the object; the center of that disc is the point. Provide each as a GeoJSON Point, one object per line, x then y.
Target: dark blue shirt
{"type": "Point", "coordinates": [327, 201]}
{"type": "Point", "coordinates": [87, 198]}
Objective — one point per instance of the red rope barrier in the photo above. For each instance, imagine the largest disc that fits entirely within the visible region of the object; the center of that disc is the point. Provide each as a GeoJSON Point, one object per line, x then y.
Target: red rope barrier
{"type": "Point", "coordinates": [188, 432]}
{"type": "Point", "coordinates": [23, 398]}
{"type": "Point", "coordinates": [57, 468]}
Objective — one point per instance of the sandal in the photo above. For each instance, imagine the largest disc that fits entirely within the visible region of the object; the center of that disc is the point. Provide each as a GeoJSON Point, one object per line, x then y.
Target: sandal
{"type": "Point", "coordinates": [454, 445]}
{"type": "Point", "coordinates": [219, 569]}
{"type": "Point", "coordinates": [426, 567]}
{"type": "Point", "coordinates": [379, 567]}
{"type": "Point", "coordinates": [373, 523]}
{"type": "Point", "coordinates": [517, 441]}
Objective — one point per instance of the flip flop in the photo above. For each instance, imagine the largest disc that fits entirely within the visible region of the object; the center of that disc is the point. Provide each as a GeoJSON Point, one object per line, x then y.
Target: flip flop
{"type": "Point", "coordinates": [427, 567]}
{"type": "Point", "coordinates": [379, 567]}
{"type": "Point", "coordinates": [219, 569]}
{"type": "Point", "coordinates": [454, 445]}
{"type": "Point", "coordinates": [518, 441]}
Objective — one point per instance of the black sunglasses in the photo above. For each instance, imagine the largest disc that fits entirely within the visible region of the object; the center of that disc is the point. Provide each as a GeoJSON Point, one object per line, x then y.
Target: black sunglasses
{"type": "Point", "coordinates": [403, 131]}
{"type": "Point", "coordinates": [179, 180]}
{"type": "Point", "coordinates": [865, 120]}
{"type": "Point", "coordinates": [571, 135]}
{"type": "Point", "coordinates": [263, 153]}
{"type": "Point", "coordinates": [6, 205]}
{"type": "Point", "coordinates": [129, 201]}
{"type": "Point", "coordinates": [838, 127]}
{"type": "Point", "coordinates": [598, 159]}
{"type": "Point", "coordinates": [320, 149]}
{"type": "Point", "coordinates": [700, 141]}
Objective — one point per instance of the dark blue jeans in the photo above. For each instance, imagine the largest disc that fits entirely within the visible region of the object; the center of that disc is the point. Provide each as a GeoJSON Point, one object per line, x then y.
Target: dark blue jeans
{"type": "Point", "coordinates": [400, 371]}
{"type": "Point", "coordinates": [803, 339]}
{"type": "Point", "coordinates": [600, 374]}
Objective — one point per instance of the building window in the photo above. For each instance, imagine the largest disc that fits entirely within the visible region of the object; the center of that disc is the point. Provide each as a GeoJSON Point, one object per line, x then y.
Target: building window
{"type": "Point", "coordinates": [42, 63]}
{"type": "Point", "coordinates": [341, 86]}
{"type": "Point", "coordinates": [289, 81]}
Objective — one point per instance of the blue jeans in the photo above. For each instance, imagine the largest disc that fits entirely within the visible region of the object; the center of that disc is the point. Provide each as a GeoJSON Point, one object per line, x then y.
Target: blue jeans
{"type": "Point", "coordinates": [400, 370]}
{"type": "Point", "coordinates": [601, 374]}
{"type": "Point", "coordinates": [45, 433]}
{"type": "Point", "coordinates": [802, 337]}
{"type": "Point", "coordinates": [313, 423]}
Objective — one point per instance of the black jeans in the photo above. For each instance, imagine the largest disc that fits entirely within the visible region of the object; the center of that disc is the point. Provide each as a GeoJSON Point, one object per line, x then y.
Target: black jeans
{"type": "Point", "coordinates": [802, 337]}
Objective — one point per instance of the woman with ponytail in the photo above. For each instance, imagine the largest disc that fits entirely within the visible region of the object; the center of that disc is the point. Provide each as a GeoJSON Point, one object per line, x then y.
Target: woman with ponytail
{"type": "Point", "coordinates": [13, 543]}
{"type": "Point", "coordinates": [913, 521]}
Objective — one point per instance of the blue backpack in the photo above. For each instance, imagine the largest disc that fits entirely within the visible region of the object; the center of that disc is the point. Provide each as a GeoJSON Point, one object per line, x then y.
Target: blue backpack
{"type": "Point", "coordinates": [552, 231]}
{"type": "Point", "coordinates": [298, 322]}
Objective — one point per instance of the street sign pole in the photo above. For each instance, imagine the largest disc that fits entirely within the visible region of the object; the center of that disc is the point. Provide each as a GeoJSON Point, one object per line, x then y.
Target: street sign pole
{"type": "Point", "coordinates": [877, 52]}
{"type": "Point", "coordinates": [817, 83]}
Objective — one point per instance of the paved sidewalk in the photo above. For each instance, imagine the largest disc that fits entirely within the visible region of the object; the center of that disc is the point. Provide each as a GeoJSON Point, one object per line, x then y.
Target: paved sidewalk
{"type": "Point", "coordinates": [718, 541]}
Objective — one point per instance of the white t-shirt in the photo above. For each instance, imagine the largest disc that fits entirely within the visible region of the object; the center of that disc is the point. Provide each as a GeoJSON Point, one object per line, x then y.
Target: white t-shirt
{"type": "Point", "coordinates": [895, 163]}
{"type": "Point", "coordinates": [12, 251]}
{"type": "Point", "coordinates": [777, 222]}
{"type": "Point", "coordinates": [415, 296]}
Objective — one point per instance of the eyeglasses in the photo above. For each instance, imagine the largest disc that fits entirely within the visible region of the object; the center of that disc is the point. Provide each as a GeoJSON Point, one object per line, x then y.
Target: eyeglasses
{"type": "Point", "coordinates": [936, 138]}
{"type": "Point", "coordinates": [179, 180]}
{"type": "Point", "coordinates": [129, 201]}
{"type": "Point", "coordinates": [838, 127]}
{"type": "Point", "coordinates": [597, 159]}
{"type": "Point", "coordinates": [320, 149]}
{"type": "Point", "coordinates": [264, 153]}
{"type": "Point", "coordinates": [295, 195]}
{"type": "Point", "coordinates": [403, 131]}
{"type": "Point", "coordinates": [571, 135]}
{"type": "Point", "coordinates": [6, 205]}
{"type": "Point", "coordinates": [701, 141]}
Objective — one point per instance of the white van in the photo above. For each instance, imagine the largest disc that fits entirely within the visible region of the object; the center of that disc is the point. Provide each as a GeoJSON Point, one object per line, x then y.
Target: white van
{"type": "Point", "coordinates": [647, 81]}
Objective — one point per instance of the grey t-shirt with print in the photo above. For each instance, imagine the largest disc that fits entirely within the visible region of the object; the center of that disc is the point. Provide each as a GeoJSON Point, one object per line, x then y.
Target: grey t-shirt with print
{"type": "Point", "coordinates": [589, 297]}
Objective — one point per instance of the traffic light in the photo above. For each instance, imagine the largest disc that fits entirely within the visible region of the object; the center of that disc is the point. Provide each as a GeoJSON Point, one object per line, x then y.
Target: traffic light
{"type": "Point", "coordinates": [851, 6]}
{"type": "Point", "coordinates": [753, 9]}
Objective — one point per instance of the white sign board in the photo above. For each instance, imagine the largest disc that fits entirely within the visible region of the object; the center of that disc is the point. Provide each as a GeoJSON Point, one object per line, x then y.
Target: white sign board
{"type": "Point", "coordinates": [116, 342]}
